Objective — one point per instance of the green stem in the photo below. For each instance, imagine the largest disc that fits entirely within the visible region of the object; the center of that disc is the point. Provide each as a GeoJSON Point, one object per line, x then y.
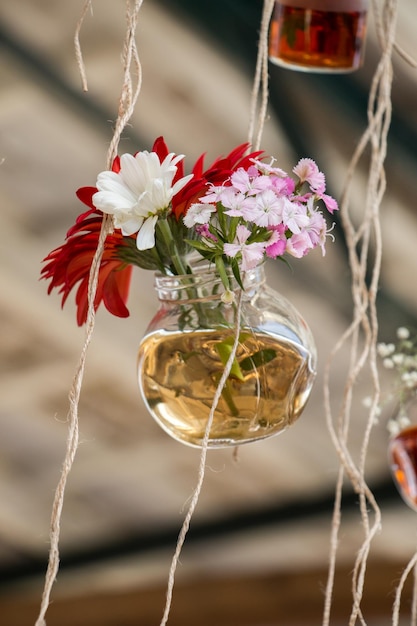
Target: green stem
{"type": "Point", "coordinates": [180, 267]}
{"type": "Point", "coordinates": [181, 270]}
{"type": "Point", "coordinates": [169, 240]}
{"type": "Point", "coordinates": [228, 397]}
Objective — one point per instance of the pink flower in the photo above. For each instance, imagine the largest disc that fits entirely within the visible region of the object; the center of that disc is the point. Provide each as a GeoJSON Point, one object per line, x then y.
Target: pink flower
{"type": "Point", "coordinates": [252, 184]}
{"type": "Point", "coordinates": [299, 245]}
{"type": "Point", "coordinates": [331, 204]}
{"type": "Point", "coordinates": [282, 186]}
{"type": "Point", "coordinates": [198, 214]}
{"type": "Point", "coordinates": [268, 168]}
{"type": "Point", "coordinates": [316, 230]}
{"type": "Point", "coordinates": [203, 231]}
{"type": "Point", "coordinates": [251, 253]}
{"type": "Point", "coordinates": [294, 216]}
{"type": "Point", "coordinates": [237, 203]}
{"type": "Point", "coordinates": [267, 210]}
{"type": "Point", "coordinates": [307, 171]}
{"type": "Point", "coordinates": [277, 244]}
{"type": "Point", "coordinates": [214, 194]}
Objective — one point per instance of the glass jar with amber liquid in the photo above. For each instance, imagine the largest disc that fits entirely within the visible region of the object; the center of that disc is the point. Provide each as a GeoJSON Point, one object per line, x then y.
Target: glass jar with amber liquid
{"type": "Point", "coordinates": [402, 452]}
{"type": "Point", "coordinates": [187, 344]}
{"type": "Point", "coordinates": [318, 35]}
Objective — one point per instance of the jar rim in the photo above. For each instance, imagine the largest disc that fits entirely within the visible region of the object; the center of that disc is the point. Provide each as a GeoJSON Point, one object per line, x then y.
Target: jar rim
{"type": "Point", "coordinates": [204, 282]}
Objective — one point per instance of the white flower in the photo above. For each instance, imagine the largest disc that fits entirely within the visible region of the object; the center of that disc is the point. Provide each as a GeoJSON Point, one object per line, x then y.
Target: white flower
{"type": "Point", "coordinates": [409, 379]}
{"type": "Point", "coordinates": [139, 193]}
{"type": "Point", "coordinates": [385, 349]}
{"type": "Point", "coordinates": [403, 333]}
{"type": "Point", "coordinates": [410, 361]}
{"type": "Point", "coordinates": [398, 358]}
{"type": "Point", "coordinates": [198, 213]}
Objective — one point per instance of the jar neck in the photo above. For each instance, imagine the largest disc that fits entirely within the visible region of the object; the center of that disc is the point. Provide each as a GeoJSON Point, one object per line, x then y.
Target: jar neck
{"type": "Point", "coordinates": [205, 284]}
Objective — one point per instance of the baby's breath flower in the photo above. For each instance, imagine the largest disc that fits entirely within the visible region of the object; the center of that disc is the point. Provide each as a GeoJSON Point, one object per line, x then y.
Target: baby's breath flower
{"type": "Point", "coordinates": [409, 379]}
{"type": "Point", "coordinates": [398, 358]}
{"type": "Point", "coordinates": [385, 349]}
{"type": "Point", "coordinates": [401, 357]}
{"type": "Point", "coordinates": [367, 402]}
{"type": "Point", "coordinates": [410, 361]}
{"type": "Point", "coordinates": [403, 333]}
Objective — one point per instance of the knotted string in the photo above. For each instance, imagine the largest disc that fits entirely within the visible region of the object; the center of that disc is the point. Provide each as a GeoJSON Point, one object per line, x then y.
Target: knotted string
{"type": "Point", "coordinates": [126, 107]}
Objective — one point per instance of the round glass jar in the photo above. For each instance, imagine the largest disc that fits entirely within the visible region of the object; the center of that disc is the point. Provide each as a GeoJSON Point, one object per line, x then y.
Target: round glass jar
{"type": "Point", "coordinates": [188, 342]}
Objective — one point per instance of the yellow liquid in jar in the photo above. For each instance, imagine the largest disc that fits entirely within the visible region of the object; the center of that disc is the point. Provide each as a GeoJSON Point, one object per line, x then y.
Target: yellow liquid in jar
{"type": "Point", "coordinates": [179, 373]}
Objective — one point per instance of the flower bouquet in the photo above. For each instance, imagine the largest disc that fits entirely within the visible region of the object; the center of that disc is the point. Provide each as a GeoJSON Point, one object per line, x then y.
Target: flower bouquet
{"type": "Point", "coordinates": [206, 236]}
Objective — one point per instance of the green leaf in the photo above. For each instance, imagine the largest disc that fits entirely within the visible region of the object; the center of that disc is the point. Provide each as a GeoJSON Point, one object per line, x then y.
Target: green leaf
{"type": "Point", "coordinates": [145, 259]}
{"type": "Point", "coordinates": [224, 349]}
{"type": "Point", "coordinates": [262, 357]}
{"type": "Point", "coordinates": [220, 266]}
{"type": "Point", "coordinates": [234, 263]}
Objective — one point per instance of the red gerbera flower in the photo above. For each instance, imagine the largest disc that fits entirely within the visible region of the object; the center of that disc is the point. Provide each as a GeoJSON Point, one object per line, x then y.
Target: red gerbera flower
{"type": "Point", "coordinates": [69, 265]}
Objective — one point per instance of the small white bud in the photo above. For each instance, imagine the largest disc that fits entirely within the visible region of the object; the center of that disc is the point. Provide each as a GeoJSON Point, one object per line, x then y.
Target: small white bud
{"type": "Point", "coordinates": [403, 332]}
{"type": "Point", "coordinates": [228, 297]}
{"type": "Point", "coordinates": [388, 364]}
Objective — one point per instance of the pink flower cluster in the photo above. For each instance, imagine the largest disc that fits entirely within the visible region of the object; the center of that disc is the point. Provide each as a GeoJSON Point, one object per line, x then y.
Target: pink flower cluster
{"type": "Point", "coordinates": [261, 211]}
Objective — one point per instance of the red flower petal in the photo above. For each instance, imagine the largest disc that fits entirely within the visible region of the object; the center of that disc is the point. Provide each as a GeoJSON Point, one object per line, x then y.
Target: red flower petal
{"type": "Point", "coordinates": [70, 264]}
{"type": "Point", "coordinates": [85, 194]}
{"type": "Point", "coordinates": [217, 174]}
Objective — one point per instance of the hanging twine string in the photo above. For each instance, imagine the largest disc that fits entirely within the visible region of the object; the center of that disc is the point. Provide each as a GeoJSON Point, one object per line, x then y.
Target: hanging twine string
{"type": "Point", "coordinates": [72, 442]}
{"type": "Point", "coordinates": [261, 79]}
{"type": "Point", "coordinates": [411, 566]}
{"type": "Point", "coordinates": [202, 464]}
{"type": "Point", "coordinates": [88, 6]}
{"type": "Point", "coordinates": [126, 107]}
{"type": "Point", "coordinates": [362, 334]}
{"type": "Point", "coordinates": [132, 67]}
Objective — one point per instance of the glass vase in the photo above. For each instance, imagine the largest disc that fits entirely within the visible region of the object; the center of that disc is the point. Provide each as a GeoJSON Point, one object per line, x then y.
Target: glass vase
{"type": "Point", "coordinates": [318, 35]}
{"type": "Point", "coordinates": [402, 453]}
{"type": "Point", "coordinates": [188, 342]}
